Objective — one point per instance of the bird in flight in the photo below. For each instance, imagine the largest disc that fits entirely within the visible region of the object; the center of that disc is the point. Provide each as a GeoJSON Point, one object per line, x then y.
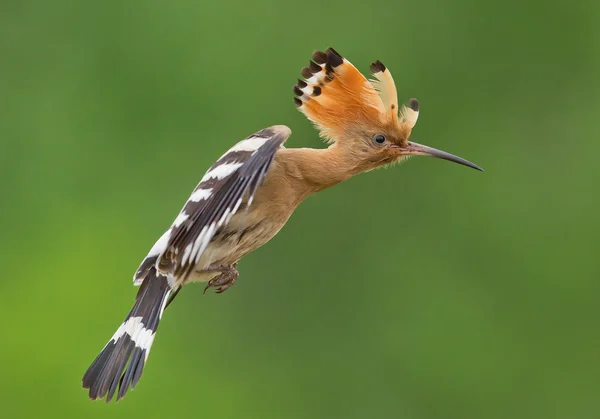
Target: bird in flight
{"type": "Point", "coordinates": [247, 196]}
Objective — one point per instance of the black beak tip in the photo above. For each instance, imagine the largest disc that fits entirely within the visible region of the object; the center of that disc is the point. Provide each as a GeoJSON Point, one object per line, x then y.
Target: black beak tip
{"type": "Point", "coordinates": [465, 163]}
{"type": "Point", "coordinates": [469, 164]}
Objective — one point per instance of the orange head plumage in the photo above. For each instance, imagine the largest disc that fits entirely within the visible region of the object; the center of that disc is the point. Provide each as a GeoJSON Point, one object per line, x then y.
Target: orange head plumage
{"type": "Point", "coordinates": [359, 114]}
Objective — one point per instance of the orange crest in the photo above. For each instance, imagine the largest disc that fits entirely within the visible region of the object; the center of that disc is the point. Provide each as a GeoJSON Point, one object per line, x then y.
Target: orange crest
{"type": "Point", "coordinates": [338, 99]}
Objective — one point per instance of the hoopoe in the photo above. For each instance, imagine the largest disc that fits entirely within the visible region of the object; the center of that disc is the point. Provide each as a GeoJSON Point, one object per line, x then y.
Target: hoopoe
{"type": "Point", "coordinates": [246, 197]}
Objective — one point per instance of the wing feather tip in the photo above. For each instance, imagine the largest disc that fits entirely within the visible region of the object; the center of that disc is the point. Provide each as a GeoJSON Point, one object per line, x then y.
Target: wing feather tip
{"type": "Point", "coordinates": [278, 130]}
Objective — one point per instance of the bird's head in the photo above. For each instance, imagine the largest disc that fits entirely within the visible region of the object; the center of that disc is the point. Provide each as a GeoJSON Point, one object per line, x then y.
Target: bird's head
{"type": "Point", "coordinates": [361, 116]}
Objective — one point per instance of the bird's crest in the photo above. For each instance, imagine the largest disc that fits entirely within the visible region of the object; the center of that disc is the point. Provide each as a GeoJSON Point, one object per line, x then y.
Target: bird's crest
{"type": "Point", "coordinates": [338, 99]}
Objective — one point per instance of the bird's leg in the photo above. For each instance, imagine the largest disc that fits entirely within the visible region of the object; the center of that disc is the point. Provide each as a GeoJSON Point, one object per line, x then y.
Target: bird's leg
{"type": "Point", "coordinates": [227, 277]}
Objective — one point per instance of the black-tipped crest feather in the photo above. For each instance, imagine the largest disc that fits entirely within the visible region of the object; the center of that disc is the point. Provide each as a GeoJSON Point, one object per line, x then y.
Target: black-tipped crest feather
{"type": "Point", "coordinates": [377, 66]}
{"type": "Point", "coordinates": [319, 57]}
{"type": "Point", "coordinates": [314, 67]}
{"type": "Point", "coordinates": [333, 58]}
{"type": "Point", "coordinates": [414, 104]}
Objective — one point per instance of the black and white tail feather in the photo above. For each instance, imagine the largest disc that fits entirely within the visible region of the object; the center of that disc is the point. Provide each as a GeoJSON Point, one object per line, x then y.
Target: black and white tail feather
{"type": "Point", "coordinates": [235, 177]}
{"type": "Point", "coordinates": [121, 362]}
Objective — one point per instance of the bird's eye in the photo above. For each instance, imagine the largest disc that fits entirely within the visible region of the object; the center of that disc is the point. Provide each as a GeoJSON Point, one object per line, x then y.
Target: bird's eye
{"type": "Point", "coordinates": [379, 139]}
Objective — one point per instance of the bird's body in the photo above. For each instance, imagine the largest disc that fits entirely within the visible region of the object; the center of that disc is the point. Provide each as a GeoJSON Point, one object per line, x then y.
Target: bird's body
{"type": "Point", "coordinates": [248, 195]}
{"type": "Point", "coordinates": [286, 185]}
{"type": "Point", "coordinates": [284, 188]}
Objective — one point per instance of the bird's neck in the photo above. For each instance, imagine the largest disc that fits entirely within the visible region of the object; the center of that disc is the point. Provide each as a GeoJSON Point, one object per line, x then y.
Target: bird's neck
{"type": "Point", "coordinates": [317, 169]}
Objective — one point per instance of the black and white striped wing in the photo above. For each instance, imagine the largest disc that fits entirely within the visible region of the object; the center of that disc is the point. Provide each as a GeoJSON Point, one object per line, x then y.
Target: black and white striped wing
{"type": "Point", "coordinates": [218, 196]}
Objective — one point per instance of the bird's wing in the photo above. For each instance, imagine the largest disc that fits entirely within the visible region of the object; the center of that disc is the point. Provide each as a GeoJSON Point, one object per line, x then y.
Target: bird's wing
{"type": "Point", "coordinates": [218, 196]}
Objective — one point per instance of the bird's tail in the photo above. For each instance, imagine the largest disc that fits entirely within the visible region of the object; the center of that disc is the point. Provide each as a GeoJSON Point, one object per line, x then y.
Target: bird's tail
{"type": "Point", "coordinates": [121, 362]}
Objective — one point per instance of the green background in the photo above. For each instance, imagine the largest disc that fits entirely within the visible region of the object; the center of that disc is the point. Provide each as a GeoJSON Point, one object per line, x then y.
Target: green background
{"type": "Point", "coordinates": [427, 290]}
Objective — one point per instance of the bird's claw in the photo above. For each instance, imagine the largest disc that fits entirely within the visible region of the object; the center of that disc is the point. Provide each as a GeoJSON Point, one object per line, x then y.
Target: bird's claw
{"type": "Point", "coordinates": [219, 286]}
{"type": "Point", "coordinates": [222, 282]}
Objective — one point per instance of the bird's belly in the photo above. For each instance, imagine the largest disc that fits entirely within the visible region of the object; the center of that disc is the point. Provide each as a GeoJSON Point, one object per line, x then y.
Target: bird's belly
{"type": "Point", "coordinates": [242, 235]}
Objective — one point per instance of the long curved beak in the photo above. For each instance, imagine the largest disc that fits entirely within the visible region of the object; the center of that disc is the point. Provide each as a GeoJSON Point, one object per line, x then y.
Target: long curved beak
{"type": "Point", "coordinates": [415, 149]}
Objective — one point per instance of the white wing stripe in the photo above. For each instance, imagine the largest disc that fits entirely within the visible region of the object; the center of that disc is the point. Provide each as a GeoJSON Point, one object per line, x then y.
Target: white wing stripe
{"type": "Point", "coordinates": [197, 244]}
{"type": "Point", "coordinates": [222, 171]}
{"type": "Point", "coordinates": [201, 194]}
{"type": "Point", "coordinates": [237, 205]}
{"type": "Point", "coordinates": [251, 144]}
{"type": "Point", "coordinates": [160, 245]}
{"type": "Point", "coordinates": [224, 217]}
{"type": "Point", "coordinates": [180, 219]}
{"type": "Point", "coordinates": [203, 240]}
{"type": "Point", "coordinates": [187, 252]}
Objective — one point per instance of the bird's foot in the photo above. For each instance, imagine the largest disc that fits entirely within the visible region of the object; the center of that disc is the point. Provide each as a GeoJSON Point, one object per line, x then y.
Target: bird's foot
{"type": "Point", "coordinates": [227, 277]}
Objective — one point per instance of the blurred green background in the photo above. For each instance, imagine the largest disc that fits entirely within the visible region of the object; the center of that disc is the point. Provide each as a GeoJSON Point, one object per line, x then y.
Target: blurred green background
{"type": "Point", "coordinates": [422, 291]}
